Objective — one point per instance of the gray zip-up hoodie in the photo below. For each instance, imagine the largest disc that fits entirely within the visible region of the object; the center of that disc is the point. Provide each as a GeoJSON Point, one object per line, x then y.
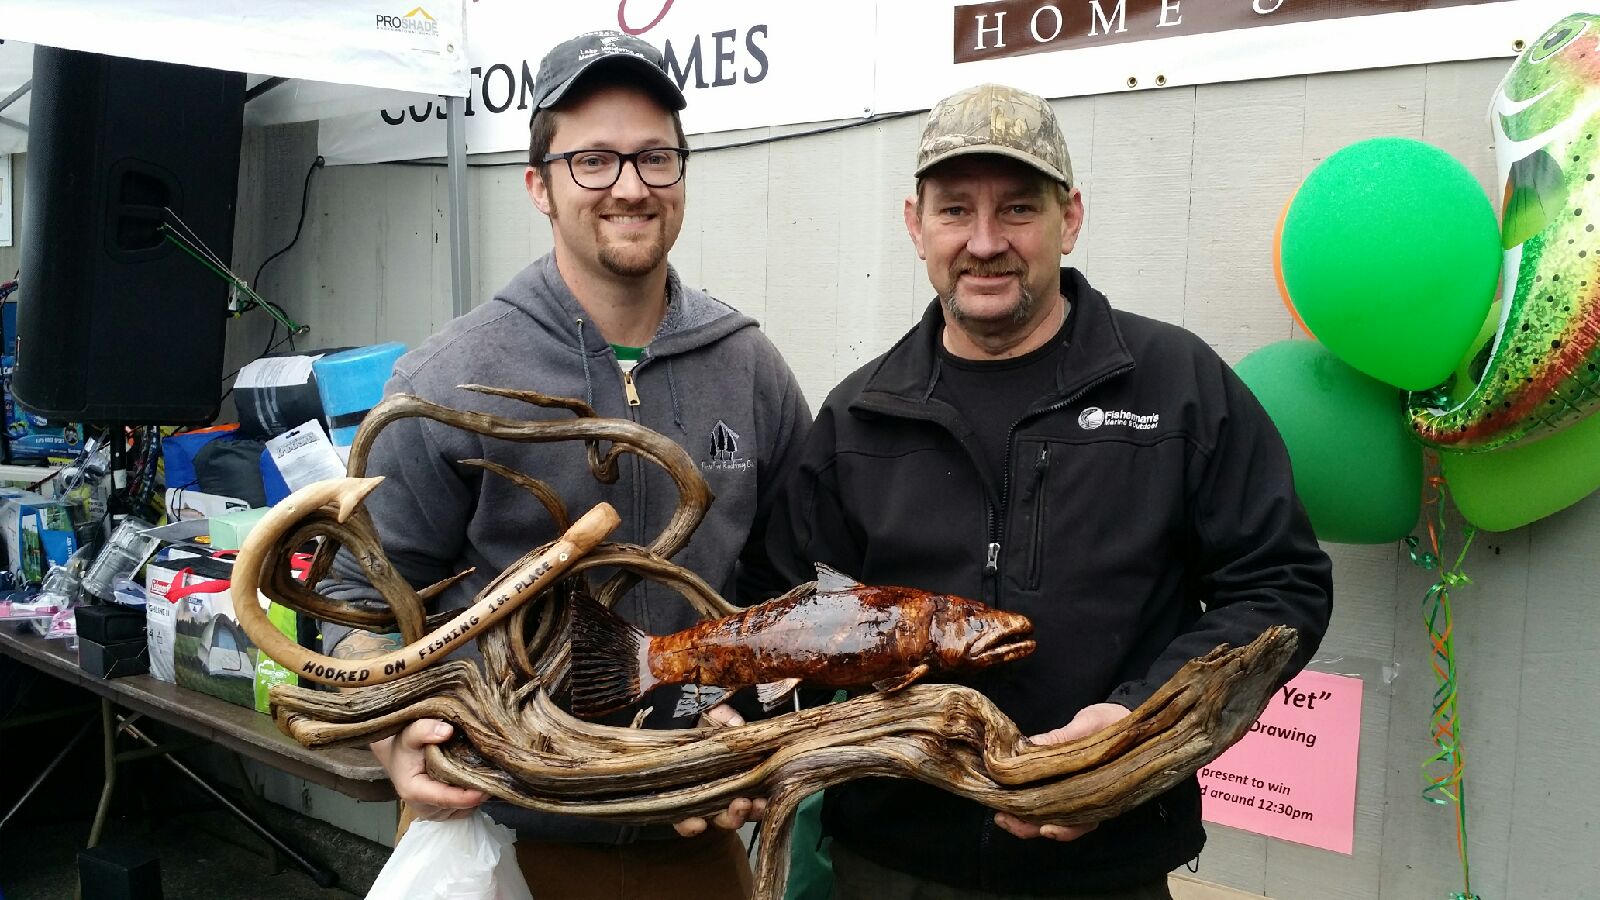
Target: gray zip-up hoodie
{"type": "Point", "coordinates": [710, 380]}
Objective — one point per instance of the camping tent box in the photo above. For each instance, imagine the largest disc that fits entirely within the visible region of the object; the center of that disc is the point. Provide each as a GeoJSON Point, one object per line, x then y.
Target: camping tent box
{"type": "Point", "coordinates": [224, 650]}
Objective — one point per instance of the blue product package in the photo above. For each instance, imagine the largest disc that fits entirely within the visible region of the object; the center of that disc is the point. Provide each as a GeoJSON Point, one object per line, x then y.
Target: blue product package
{"type": "Point", "coordinates": [35, 437]}
{"type": "Point", "coordinates": [351, 382]}
{"type": "Point", "coordinates": [178, 452]}
{"type": "Point", "coordinates": [58, 547]}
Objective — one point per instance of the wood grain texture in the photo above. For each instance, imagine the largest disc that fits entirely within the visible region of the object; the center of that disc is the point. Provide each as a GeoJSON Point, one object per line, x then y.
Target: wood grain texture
{"type": "Point", "coordinates": [515, 744]}
{"type": "Point", "coordinates": [1183, 188]}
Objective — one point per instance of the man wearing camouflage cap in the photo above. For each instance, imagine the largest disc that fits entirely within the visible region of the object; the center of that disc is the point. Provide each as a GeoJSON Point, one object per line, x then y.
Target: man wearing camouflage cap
{"type": "Point", "coordinates": [1031, 447]}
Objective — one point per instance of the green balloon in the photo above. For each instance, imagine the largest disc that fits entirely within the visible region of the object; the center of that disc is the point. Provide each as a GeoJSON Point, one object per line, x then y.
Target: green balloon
{"type": "Point", "coordinates": [1356, 467]}
{"type": "Point", "coordinates": [1391, 254]}
{"type": "Point", "coordinates": [1513, 486]}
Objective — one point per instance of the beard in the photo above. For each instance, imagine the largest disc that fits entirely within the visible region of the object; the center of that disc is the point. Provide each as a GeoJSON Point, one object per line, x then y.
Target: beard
{"type": "Point", "coordinates": [1009, 264]}
{"type": "Point", "coordinates": [627, 259]}
{"type": "Point", "coordinates": [634, 259]}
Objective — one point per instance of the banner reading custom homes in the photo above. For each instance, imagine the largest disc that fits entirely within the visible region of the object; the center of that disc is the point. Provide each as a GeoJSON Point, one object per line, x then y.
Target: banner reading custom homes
{"type": "Point", "coordinates": [752, 63]}
{"type": "Point", "coordinates": [741, 64]}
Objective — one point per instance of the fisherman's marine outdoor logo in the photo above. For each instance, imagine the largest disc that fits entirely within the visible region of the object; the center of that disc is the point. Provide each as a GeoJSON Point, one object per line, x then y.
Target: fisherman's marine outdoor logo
{"type": "Point", "coordinates": [1095, 417]}
{"type": "Point", "coordinates": [725, 450]}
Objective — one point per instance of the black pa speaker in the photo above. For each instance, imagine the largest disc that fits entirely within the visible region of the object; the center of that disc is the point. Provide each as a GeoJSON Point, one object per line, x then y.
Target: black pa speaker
{"type": "Point", "coordinates": [115, 323]}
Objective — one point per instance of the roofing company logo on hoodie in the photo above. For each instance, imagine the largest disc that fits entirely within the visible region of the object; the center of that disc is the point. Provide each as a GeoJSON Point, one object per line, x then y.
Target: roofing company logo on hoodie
{"type": "Point", "coordinates": [725, 449]}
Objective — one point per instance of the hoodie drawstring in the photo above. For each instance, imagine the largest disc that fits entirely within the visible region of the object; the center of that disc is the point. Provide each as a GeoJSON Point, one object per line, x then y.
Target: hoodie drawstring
{"type": "Point", "coordinates": [677, 408]}
{"type": "Point", "coordinates": [583, 354]}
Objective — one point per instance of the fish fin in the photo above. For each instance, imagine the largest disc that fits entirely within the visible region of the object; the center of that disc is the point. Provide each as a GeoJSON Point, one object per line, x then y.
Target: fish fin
{"type": "Point", "coordinates": [773, 693]}
{"type": "Point", "coordinates": [1536, 190]}
{"type": "Point", "coordinates": [833, 581]}
{"type": "Point", "coordinates": [607, 654]}
{"type": "Point", "coordinates": [890, 685]}
{"type": "Point", "coordinates": [697, 698]}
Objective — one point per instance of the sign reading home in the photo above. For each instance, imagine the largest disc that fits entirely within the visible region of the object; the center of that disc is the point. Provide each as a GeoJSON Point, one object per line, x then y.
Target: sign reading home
{"type": "Point", "coordinates": [1018, 27]}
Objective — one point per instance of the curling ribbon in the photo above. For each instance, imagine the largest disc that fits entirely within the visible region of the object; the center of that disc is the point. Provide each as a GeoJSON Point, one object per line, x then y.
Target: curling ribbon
{"type": "Point", "coordinates": [1444, 771]}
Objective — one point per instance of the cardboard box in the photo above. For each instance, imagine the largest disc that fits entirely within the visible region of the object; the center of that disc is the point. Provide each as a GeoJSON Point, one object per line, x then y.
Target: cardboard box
{"type": "Point", "coordinates": [185, 505]}
{"type": "Point", "coordinates": [109, 624]}
{"type": "Point", "coordinates": [113, 660]}
{"type": "Point", "coordinates": [229, 531]}
{"type": "Point", "coordinates": [210, 652]}
{"type": "Point", "coordinates": [37, 532]}
{"type": "Point", "coordinates": [23, 478]}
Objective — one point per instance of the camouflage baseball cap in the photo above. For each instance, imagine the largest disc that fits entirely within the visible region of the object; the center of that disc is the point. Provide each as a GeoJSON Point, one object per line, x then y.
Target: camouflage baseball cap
{"type": "Point", "coordinates": [993, 118]}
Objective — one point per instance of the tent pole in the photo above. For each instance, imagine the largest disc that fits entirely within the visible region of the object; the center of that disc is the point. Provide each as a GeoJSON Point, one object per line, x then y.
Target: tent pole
{"type": "Point", "coordinates": [460, 237]}
{"type": "Point", "coordinates": [11, 98]}
{"type": "Point", "coordinates": [16, 95]}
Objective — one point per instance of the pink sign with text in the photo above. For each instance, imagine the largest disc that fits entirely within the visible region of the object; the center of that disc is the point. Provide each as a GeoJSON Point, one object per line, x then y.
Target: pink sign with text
{"type": "Point", "coordinates": [1293, 776]}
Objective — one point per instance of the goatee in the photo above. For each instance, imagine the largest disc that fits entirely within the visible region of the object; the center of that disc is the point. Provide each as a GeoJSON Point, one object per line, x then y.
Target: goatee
{"type": "Point", "coordinates": [1020, 314]}
{"type": "Point", "coordinates": [632, 260]}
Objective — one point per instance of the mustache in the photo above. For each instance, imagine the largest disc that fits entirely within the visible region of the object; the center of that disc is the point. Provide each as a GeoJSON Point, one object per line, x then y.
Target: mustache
{"type": "Point", "coordinates": [1008, 264]}
{"type": "Point", "coordinates": [625, 209]}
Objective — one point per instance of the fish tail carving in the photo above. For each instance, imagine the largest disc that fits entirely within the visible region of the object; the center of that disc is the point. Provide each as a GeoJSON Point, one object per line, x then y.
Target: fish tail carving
{"type": "Point", "coordinates": [608, 659]}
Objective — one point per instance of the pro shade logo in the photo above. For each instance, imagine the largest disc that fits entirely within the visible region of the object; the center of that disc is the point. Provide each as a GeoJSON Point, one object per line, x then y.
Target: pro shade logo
{"type": "Point", "coordinates": [418, 21]}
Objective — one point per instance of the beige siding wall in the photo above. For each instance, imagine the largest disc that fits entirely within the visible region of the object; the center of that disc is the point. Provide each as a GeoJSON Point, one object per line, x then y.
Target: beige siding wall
{"type": "Point", "coordinates": [1184, 187]}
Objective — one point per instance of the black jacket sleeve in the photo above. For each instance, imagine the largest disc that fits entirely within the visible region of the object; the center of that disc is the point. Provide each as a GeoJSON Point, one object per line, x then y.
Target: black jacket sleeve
{"type": "Point", "coordinates": [1255, 560]}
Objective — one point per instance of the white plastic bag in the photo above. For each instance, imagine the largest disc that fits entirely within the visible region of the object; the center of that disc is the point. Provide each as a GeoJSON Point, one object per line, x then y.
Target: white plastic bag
{"type": "Point", "coordinates": [469, 858]}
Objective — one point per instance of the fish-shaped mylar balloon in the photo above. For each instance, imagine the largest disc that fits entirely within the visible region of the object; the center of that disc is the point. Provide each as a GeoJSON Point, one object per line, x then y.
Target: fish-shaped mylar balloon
{"type": "Point", "coordinates": [1540, 373]}
{"type": "Point", "coordinates": [833, 632]}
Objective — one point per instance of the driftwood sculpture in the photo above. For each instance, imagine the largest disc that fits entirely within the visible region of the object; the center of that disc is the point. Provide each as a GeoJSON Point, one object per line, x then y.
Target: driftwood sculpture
{"type": "Point", "coordinates": [515, 743]}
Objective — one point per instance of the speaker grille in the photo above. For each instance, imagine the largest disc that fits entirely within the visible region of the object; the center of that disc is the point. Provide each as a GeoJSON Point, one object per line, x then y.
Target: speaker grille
{"type": "Point", "coordinates": [115, 324]}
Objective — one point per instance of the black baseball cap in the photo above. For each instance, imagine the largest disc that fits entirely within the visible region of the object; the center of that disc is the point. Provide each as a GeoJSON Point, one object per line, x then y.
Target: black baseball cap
{"type": "Point", "coordinates": [569, 60]}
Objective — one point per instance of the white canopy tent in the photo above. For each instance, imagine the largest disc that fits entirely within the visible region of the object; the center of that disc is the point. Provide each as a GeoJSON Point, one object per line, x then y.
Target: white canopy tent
{"type": "Point", "coordinates": [323, 57]}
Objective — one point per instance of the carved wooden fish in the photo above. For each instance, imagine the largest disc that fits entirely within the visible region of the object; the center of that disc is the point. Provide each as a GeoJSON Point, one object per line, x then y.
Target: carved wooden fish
{"type": "Point", "coordinates": [834, 632]}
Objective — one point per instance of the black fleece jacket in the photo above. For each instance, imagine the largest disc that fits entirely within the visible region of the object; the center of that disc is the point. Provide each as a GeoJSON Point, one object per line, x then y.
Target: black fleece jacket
{"type": "Point", "coordinates": [1147, 514]}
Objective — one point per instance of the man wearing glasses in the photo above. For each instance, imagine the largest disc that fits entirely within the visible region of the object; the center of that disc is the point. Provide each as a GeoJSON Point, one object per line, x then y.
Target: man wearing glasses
{"type": "Point", "coordinates": [603, 318]}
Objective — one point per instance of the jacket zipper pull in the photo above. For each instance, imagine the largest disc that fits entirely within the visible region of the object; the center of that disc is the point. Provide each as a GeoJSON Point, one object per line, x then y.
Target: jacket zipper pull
{"type": "Point", "coordinates": [991, 563]}
{"type": "Point", "coordinates": [629, 389]}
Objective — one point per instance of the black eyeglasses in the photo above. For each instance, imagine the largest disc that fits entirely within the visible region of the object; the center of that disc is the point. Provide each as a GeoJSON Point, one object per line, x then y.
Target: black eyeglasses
{"type": "Point", "coordinates": [598, 170]}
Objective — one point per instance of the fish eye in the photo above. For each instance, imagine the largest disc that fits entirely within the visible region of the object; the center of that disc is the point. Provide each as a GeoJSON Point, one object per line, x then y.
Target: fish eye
{"type": "Point", "coordinates": [1556, 39]}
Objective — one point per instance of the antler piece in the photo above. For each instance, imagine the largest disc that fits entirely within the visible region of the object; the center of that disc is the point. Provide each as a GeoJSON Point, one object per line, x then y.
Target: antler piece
{"type": "Point", "coordinates": [515, 743]}
{"type": "Point", "coordinates": [514, 586]}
